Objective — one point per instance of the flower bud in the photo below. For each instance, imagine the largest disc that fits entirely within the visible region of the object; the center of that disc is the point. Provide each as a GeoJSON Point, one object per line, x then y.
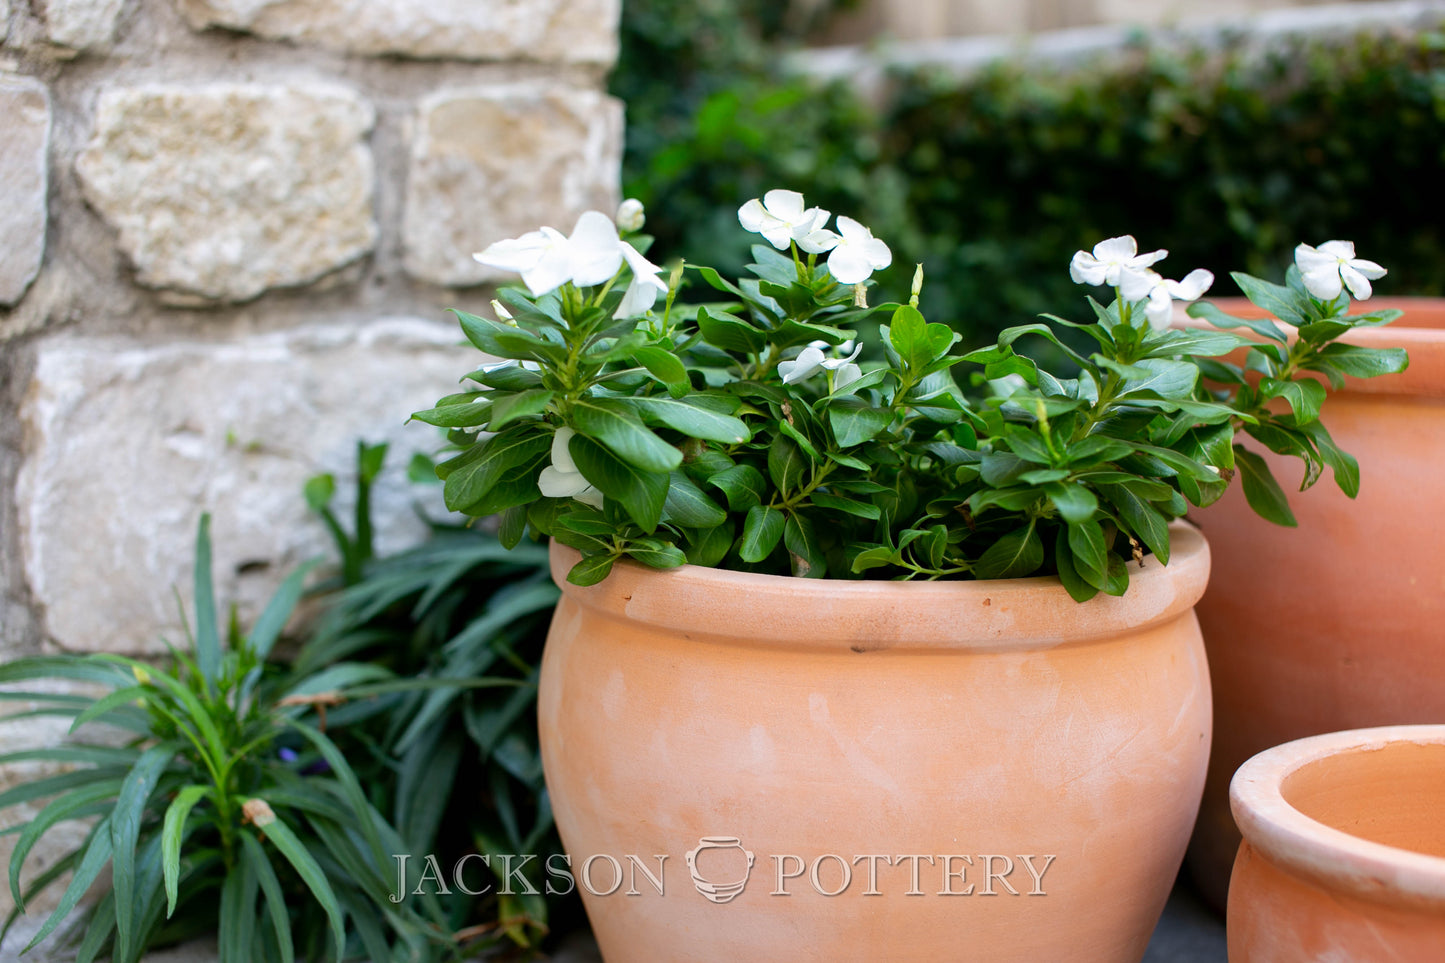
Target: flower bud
{"type": "Point", "coordinates": [629, 216]}
{"type": "Point", "coordinates": [917, 286]}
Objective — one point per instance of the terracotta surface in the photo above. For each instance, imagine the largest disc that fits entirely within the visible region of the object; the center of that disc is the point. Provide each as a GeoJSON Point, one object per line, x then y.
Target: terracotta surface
{"type": "Point", "coordinates": [1344, 849]}
{"type": "Point", "coordinates": [1336, 624]}
{"type": "Point", "coordinates": [753, 718]}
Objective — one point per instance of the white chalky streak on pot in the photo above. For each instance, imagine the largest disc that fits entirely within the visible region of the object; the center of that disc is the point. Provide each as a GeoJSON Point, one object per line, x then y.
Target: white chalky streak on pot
{"type": "Point", "coordinates": [864, 767]}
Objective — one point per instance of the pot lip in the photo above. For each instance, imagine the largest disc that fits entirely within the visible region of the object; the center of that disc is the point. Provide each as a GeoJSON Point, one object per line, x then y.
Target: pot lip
{"type": "Point", "coordinates": [1321, 853]}
{"type": "Point", "coordinates": [842, 615]}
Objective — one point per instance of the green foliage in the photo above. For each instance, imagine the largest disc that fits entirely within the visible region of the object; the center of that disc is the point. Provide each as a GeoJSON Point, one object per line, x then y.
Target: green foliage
{"type": "Point", "coordinates": [726, 435]}
{"type": "Point", "coordinates": [993, 181]}
{"type": "Point", "coordinates": [225, 803]}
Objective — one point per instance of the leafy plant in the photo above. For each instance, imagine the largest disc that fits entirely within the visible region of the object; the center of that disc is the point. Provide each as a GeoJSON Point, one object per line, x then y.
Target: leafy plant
{"type": "Point", "coordinates": [454, 758]}
{"type": "Point", "coordinates": [738, 433]}
{"type": "Point", "coordinates": [225, 804]}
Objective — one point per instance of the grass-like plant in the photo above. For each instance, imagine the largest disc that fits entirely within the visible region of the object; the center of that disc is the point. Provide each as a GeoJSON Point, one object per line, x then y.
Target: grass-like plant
{"type": "Point", "coordinates": [225, 803]}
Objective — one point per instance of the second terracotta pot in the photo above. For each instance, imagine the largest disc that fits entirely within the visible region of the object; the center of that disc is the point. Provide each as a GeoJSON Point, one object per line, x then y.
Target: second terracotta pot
{"type": "Point", "coordinates": [1335, 624]}
{"type": "Point", "coordinates": [836, 770]}
{"type": "Point", "coordinates": [1344, 850]}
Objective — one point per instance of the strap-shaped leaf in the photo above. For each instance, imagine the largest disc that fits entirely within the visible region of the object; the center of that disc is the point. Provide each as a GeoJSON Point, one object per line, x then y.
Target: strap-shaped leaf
{"type": "Point", "coordinates": [97, 854]}
{"type": "Point", "coordinates": [207, 639]}
{"type": "Point", "coordinates": [301, 860]}
{"type": "Point", "coordinates": [172, 831]}
{"type": "Point", "coordinates": [125, 823]}
{"type": "Point", "coordinates": [276, 907]}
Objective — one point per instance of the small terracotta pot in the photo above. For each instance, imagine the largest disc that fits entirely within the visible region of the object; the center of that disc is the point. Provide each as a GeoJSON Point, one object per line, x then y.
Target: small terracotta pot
{"type": "Point", "coordinates": [978, 768]}
{"type": "Point", "coordinates": [1344, 849]}
{"type": "Point", "coordinates": [1334, 624]}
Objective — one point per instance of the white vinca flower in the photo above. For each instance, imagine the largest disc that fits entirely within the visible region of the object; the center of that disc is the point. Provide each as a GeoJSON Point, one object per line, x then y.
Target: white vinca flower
{"type": "Point", "coordinates": [1111, 258]}
{"type": "Point", "coordinates": [856, 254]}
{"type": "Point", "coordinates": [811, 360]}
{"type": "Point", "coordinates": [781, 218]}
{"type": "Point", "coordinates": [593, 254]}
{"type": "Point", "coordinates": [561, 479]}
{"type": "Point", "coordinates": [1325, 267]}
{"type": "Point", "coordinates": [1162, 292]}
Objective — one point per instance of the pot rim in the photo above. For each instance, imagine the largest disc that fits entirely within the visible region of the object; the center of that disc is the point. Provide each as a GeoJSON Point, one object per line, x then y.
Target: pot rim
{"type": "Point", "coordinates": [1318, 852]}
{"type": "Point", "coordinates": [842, 614]}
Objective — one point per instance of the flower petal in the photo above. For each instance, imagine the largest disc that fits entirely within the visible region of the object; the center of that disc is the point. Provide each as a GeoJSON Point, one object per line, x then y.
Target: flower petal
{"type": "Point", "coordinates": [1086, 269]}
{"type": "Point", "coordinates": [848, 264]}
{"type": "Point", "coordinates": [808, 363]}
{"type": "Point", "coordinates": [1134, 285]}
{"type": "Point", "coordinates": [752, 216]}
{"type": "Point", "coordinates": [561, 452]}
{"type": "Point", "coordinates": [846, 374]}
{"type": "Point", "coordinates": [1323, 282]}
{"type": "Point", "coordinates": [596, 250]}
{"type": "Point", "coordinates": [1308, 259]}
{"type": "Point", "coordinates": [1339, 249]}
{"type": "Point", "coordinates": [1193, 286]}
{"type": "Point", "coordinates": [784, 205]}
{"type": "Point", "coordinates": [1369, 269]}
{"type": "Point", "coordinates": [1357, 283]}
{"type": "Point", "coordinates": [561, 484]}
{"type": "Point", "coordinates": [818, 242]}
{"type": "Point", "coordinates": [1116, 249]}
{"type": "Point", "coordinates": [590, 496]}
{"type": "Point", "coordinates": [1159, 308]}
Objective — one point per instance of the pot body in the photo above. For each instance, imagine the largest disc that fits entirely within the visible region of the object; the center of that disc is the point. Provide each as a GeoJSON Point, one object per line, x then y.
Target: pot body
{"type": "Point", "coordinates": [1335, 624]}
{"type": "Point", "coordinates": [903, 771]}
{"type": "Point", "coordinates": [1344, 849]}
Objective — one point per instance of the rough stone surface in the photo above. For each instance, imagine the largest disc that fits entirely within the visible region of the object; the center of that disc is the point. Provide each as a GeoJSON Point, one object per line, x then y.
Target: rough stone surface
{"type": "Point", "coordinates": [80, 24]}
{"type": "Point", "coordinates": [25, 107]}
{"type": "Point", "coordinates": [126, 446]}
{"type": "Point", "coordinates": [223, 191]}
{"type": "Point", "coordinates": [495, 162]}
{"type": "Point", "coordinates": [4, 19]}
{"type": "Point", "coordinates": [573, 31]}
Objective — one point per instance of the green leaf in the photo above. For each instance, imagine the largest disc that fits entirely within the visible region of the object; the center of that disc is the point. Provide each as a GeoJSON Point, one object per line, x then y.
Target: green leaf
{"type": "Point", "coordinates": [661, 364]}
{"type": "Point", "coordinates": [310, 872]}
{"type": "Point", "coordinates": [848, 506]}
{"type": "Point", "coordinates": [278, 612]}
{"type": "Point", "coordinates": [507, 408]}
{"type": "Point", "coordinates": [854, 421]}
{"type": "Point", "coordinates": [908, 334]}
{"type": "Point", "coordinates": [762, 529]}
{"type": "Point", "coordinates": [1074, 502]}
{"type": "Point", "coordinates": [1015, 555]}
{"type": "Point", "coordinates": [804, 550]}
{"type": "Point", "coordinates": [1190, 342]}
{"type": "Point", "coordinates": [1086, 541]}
{"type": "Point", "coordinates": [1303, 396]}
{"type": "Point", "coordinates": [460, 414]}
{"type": "Point", "coordinates": [615, 423]}
{"type": "Point", "coordinates": [276, 905]}
{"type": "Point", "coordinates": [350, 787]}
{"type": "Point", "coordinates": [97, 855]}
{"type": "Point", "coordinates": [318, 491]}
{"type": "Point", "coordinates": [1168, 379]}
{"type": "Point", "coordinates": [730, 333]}
{"type": "Point", "coordinates": [591, 569]}
{"type": "Point", "coordinates": [1361, 362]}
{"type": "Point", "coordinates": [235, 930]}
{"type": "Point", "coordinates": [125, 823]}
{"type": "Point", "coordinates": [743, 485]}
{"type": "Point", "coordinates": [641, 493]}
{"type": "Point", "coordinates": [655, 553]}
{"type": "Point", "coordinates": [1261, 490]}
{"type": "Point", "coordinates": [1117, 578]}
{"type": "Point", "coordinates": [1346, 469]}
{"type": "Point", "coordinates": [689, 417]}
{"type": "Point", "coordinates": [473, 474]}
{"type": "Point", "coordinates": [1216, 317]}
{"type": "Point", "coordinates": [1142, 519]}
{"type": "Point", "coordinates": [708, 547]}
{"type": "Point", "coordinates": [1282, 302]}
{"type": "Point", "coordinates": [207, 639]}
{"type": "Point", "coordinates": [686, 504]}
{"type": "Point", "coordinates": [171, 832]}
{"type": "Point", "coordinates": [786, 464]}
{"type": "Point", "coordinates": [1074, 584]}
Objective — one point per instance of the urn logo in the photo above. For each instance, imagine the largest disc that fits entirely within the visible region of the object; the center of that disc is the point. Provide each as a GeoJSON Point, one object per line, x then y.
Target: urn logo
{"type": "Point", "coordinates": [720, 867]}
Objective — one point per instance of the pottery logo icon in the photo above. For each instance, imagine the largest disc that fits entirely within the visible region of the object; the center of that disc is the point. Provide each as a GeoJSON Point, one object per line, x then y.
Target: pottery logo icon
{"type": "Point", "coordinates": [720, 867]}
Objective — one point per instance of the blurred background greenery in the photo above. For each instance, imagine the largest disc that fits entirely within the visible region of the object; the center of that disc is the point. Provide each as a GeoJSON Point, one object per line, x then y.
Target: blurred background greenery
{"type": "Point", "coordinates": [1226, 156]}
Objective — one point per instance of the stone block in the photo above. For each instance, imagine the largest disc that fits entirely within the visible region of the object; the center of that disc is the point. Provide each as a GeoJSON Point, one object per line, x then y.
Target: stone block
{"type": "Point", "coordinates": [570, 31]}
{"type": "Point", "coordinates": [127, 445]}
{"type": "Point", "coordinates": [80, 24]}
{"type": "Point", "coordinates": [494, 162]}
{"type": "Point", "coordinates": [25, 105]}
{"type": "Point", "coordinates": [222, 192]}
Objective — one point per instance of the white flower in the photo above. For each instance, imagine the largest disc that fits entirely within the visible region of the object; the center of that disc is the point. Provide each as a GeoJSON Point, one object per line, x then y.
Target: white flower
{"type": "Point", "coordinates": [781, 219]}
{"type": "Point", "coordinates": [646, 285]}
{"type": "Point", "coordinates": [561, 479]}
{"type": "Point", "coordinates": [857, 253]}
{"type": "Point", "coordinates": [1111, 258]}
{"type": "Point", "coordinates": [1325, 266]}
{"type": "Point", "coordinates": [1162, 293]}
{"type": "Point", "coordinates": [847, 373]}
{"type": "Point", "coordinates": [630, 217]}
{"type": "Point", "coordinates": [541, 257]}
{"type": "Point", "coordinates": [811, 360]}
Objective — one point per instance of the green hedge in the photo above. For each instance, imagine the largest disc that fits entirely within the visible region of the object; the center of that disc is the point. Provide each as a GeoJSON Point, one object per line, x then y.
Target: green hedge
{"type": "Point", "coordinates": [1226, 158]}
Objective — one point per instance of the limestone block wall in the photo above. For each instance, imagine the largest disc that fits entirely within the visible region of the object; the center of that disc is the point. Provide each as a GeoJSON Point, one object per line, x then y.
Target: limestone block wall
{"type": "Point", "coordinates": [229, 234]}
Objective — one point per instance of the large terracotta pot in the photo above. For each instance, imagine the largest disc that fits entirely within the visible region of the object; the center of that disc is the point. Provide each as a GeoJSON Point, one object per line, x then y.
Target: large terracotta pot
{"type": "Point", "coordinates": [746, 726]}
{"type": "Point", "coordinates": [1344, 849]}
{"type": "Point", "coordinates": [1335, 624]}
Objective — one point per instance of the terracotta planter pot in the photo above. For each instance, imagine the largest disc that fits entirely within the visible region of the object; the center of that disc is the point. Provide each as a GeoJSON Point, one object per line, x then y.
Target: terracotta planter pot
{"type": "Point", "coordinates": [1334, 624]}
{"type": "Point", "coordinates": [1034, 762]}
{"type": "Point", "coordinates": [1344, 849]}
